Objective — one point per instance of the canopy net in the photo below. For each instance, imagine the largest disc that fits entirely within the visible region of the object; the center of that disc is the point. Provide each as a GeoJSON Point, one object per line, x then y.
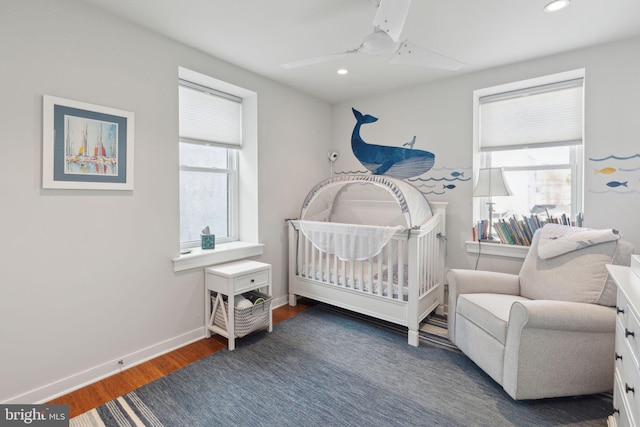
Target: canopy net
{"type": "Point", "coordinates": [354, 216]}
{"type": "Point", "coordinates": [367, 200]}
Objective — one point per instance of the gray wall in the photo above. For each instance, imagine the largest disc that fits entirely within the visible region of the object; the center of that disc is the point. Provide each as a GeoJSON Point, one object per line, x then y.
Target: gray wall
{"type": "Point", "coordinates": [87, 276]}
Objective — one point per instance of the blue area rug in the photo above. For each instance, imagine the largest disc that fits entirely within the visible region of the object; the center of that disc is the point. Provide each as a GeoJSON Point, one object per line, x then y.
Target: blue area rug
{"type": "Point", "coordinates": [323, 368]}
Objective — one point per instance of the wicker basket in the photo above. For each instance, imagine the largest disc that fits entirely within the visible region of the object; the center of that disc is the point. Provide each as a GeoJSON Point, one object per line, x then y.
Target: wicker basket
{"type": "Point", "coordinates": [247, 319]}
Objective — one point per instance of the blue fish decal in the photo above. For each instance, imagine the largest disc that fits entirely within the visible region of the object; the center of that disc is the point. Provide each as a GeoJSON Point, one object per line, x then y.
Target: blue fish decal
{"type": "Point", "coordinates": [617, 184]}
{"type": "Point", "coordinates": [396, 162]}
{"type": "Point", "coordinates": [457, 174]}
{"type": "Point", "coordinates": [448, 187]}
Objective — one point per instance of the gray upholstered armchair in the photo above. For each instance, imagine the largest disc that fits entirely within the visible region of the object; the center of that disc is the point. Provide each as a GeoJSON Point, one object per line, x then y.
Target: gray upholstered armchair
{"type": "Point", "coordinates": [548, 331]}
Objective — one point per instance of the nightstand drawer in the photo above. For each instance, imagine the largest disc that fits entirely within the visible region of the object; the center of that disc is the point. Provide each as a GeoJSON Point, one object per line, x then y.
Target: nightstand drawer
{"type": "Point", "coordinates": [251, 281]}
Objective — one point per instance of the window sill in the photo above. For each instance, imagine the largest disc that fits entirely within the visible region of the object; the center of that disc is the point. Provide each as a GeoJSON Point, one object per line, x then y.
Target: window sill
{"type": "Point", "coordinates": [225, 252]}
{"type": "Point", "coordinates": [497, 249]}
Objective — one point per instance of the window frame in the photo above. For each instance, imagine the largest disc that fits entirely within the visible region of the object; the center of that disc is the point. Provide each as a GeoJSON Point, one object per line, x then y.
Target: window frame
{"type": "Point", "coordinates": [232, 192]}
{"type": "Point", "coordinates": [248, 243]}
{"type": "Point", "coordinates": [482, 159]}
{"type": "Point", "coordinates": [232, 170]}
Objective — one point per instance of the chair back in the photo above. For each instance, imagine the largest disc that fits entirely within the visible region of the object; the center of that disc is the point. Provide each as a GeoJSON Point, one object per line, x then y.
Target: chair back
{"type": "Point", "coordinates": [579, 275]}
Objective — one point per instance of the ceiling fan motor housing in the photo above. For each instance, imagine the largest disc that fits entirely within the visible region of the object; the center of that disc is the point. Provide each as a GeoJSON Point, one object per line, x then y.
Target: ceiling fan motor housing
{"type": "Point", "coordinates": [378, 43]}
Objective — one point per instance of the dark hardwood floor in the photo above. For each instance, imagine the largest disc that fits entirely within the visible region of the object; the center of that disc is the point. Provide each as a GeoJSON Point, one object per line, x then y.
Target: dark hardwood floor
{"type": "Point", "coordinates": [101, 392]}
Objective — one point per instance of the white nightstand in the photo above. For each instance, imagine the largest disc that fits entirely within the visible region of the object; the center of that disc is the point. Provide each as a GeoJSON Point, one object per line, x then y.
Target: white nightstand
{"type": "Point", "coordinates": [233, 279]}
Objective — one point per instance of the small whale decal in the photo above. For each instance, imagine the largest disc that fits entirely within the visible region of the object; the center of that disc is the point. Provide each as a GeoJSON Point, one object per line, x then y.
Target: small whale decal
{"type": "Point", "coordinates": [617, 184]}
{"type": "Point", "coordinates": [396, 162]}
{"type": "Point", "coordinates": [605, 170]}
{"type": "Point", "coordinates": [448, 187]}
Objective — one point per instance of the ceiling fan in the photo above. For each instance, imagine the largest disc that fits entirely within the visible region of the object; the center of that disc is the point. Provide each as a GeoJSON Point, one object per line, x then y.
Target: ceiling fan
{"type": "Point", "coordinates": [384, 41]}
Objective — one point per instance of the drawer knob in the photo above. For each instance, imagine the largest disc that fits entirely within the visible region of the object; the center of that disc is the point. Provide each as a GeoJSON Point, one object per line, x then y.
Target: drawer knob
{"type": "Point", "coordinates": [618, 356]}
{"type": "Point", "coordinates": [253, 280]}
{"type": "Point", "coordinates": [628, 332]}
{"type": "Point", "coordinates": [619, 310]}
{"type": "Point", "coordinates": [628, 389]}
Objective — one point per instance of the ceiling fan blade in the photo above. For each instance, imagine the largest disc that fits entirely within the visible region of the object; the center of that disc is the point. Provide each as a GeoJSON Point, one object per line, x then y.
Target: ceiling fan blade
{"type": "Point", "coordinates": [390, 17]}
{"type": "Point", "coordinates": [412, 54]}
{"type": "Point", "coordinates": [315, 60]}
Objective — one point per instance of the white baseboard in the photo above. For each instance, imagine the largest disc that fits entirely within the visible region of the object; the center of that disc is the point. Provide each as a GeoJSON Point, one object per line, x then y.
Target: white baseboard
{"type": "Point", "coordinates": [66, 385]}
{"type": "Point", "coordinates": [279, 302]}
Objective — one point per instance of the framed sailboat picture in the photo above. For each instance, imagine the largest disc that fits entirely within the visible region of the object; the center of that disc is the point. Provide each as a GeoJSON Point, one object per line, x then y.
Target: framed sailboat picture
{"type": "Point", "coordinates": [86, 146]}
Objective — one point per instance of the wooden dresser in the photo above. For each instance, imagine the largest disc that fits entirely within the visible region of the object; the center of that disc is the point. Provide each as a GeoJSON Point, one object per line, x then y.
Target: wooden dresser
{"type": "Point", "coordinates": [626, 388]}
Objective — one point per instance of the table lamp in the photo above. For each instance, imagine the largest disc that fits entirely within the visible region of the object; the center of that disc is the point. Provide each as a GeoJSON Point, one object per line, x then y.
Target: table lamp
{"type": "Point", "coordinates": [491, 183]}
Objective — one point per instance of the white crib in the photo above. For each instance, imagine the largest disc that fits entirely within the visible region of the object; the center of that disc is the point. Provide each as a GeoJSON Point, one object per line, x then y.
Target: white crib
{"type": "Point", "coordinates": [402, 284]}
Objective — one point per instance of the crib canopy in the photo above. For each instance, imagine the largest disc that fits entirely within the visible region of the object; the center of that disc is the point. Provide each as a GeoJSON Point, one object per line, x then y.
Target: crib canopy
{"type": "Point", "coordinates": [366, 200]}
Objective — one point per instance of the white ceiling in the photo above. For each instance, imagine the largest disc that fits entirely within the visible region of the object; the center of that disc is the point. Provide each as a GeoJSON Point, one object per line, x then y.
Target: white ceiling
{"type": "Point", "coordinates": [260, 35]}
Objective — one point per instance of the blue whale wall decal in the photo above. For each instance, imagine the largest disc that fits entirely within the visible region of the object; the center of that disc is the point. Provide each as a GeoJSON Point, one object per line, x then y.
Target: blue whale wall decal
{"type": "Point", "coordinates": [396, 162]}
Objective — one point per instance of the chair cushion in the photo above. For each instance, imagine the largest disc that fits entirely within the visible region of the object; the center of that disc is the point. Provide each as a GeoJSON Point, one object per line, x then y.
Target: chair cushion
{"type": "Point", "coordinates": [490, 312]}
{"type": "Point", "coordinates": [578, 276]}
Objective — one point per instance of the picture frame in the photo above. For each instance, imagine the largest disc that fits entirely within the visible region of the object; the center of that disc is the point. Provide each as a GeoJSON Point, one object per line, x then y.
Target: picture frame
{"type": "Point", "coordinates": [86, 146]}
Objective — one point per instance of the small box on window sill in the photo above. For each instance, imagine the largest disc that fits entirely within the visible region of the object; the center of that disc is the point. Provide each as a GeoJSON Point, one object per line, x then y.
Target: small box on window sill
{"type": "Point", "coordinates": [208, 241]}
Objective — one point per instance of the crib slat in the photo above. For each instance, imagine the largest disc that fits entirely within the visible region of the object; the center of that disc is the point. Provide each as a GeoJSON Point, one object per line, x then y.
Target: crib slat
{"type": "Point", "coordinates": [313, 260]}
{"type": "Point", "coordinates": [400, 264]}
{"type": "Point", "coordinates": [433, 250]}
{"type": "Point", "coordinates": [327, 269]}
{"type": "Point", "coordinates": [307, 264]}
{"type": "Point", "coordinates": [423, 277]}
{"type": "Point", "coordinates": [389, 267]}
{"type": "Point", "coordinates": [360, 276]}
{"type": "Point", "coordinates": [317, 263]}
{"type": "Point", "coordinates": [428, 263]}
{"type": "Point", "coordinates": [352, 273]}
{"type": "Point", "coordinates": [379, 274]}
{"type": "Point", "coordinates": [300, 270]}
{"type": "Point", "coordinates": [320, 265]}
{"type": "Point", "coordinates": [370, 274]}
{"type": "Point", "coordinates": [433, 257]}
{"type": "Point", "coordinates": [426, 249]}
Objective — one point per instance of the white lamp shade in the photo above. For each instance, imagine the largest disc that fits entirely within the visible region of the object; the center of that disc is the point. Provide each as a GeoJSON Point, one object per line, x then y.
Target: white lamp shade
{"type": "Point", "coordinates": [491, 183]}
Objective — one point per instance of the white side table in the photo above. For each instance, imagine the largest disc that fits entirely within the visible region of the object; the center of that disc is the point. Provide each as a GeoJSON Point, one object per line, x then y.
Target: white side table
{"type": "Point", "coordinates": [234, 279]}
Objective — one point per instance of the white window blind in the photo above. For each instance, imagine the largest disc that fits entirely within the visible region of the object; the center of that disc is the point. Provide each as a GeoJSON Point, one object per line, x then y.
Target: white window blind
{"type": "Point", "coordinates": [209, 116]}
{"type": "Point", "coordinates": [546, 115]}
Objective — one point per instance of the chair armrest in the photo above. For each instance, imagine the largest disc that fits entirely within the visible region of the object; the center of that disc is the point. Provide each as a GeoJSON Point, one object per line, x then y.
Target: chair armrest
{"type": "Point", "coordinates": [476, 281]}
{"type": "Point", "coordinates": [558, 348]}
{"type": "Point", "coordinates": [562, 316]}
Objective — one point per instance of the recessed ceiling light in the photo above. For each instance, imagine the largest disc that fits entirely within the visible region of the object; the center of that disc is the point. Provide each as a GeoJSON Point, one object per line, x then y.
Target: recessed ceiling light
{"type": "Point", "coordinates": [556, 5]}
{"type": "Point", "coordinates": [343, 71]}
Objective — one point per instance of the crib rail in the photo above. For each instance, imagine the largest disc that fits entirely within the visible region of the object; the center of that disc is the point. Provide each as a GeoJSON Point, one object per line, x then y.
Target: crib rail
{"type": "Point", "coordinates": [408, 266]}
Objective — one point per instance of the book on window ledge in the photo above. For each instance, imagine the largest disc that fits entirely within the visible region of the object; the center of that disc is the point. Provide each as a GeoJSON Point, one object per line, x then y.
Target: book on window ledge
{"type": "Point", "coordinates": [516, 231]}
{"type": "Point", "coordinates": [480, 230]}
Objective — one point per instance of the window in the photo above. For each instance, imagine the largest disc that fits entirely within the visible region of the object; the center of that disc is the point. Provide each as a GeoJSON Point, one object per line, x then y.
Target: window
{"type": "Point", "coordinates": [210, 140]}
{"type": "Point", "coordinates": [534, 130]}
